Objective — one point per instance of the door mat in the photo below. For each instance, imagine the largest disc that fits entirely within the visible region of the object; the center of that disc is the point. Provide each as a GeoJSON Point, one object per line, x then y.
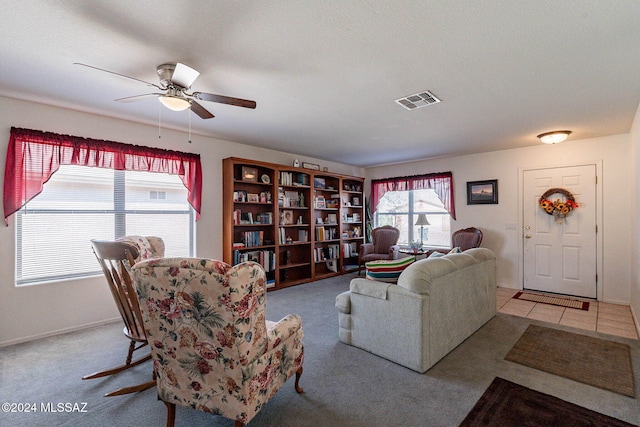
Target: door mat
{"type": "Point", "coordinates": [553, 300]}
{"type": "Point", "coordinates": [589, 360]}
{"type": "Point", "coordinates": [508, 404]}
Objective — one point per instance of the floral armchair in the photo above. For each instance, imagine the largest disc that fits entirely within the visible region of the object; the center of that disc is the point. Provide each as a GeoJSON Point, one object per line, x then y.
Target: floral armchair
{"type": "Point", "coordinates": [148, 246]}
{"type": "Point", "coordinates": [211, 344]}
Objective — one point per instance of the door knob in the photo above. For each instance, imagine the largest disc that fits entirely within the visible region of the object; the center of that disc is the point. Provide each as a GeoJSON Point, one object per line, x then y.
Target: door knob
{"type": "Point", "coordinates": [527, 236]}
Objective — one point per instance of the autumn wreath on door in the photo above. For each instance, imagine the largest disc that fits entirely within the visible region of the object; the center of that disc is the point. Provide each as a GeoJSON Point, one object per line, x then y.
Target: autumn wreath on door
{"type": "Point", "coordinates": [558, 208]}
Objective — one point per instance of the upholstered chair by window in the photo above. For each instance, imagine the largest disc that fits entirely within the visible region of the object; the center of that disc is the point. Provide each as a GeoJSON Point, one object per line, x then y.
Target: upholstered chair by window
{"type": "Point", "coordinates": [466, 238]}
{"type": "Point", "coordinates": [211, 344]}
{"type": "Point", "coordinates": [384, 246]}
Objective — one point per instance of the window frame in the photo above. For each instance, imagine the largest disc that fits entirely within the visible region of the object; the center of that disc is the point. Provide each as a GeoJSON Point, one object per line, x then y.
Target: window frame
{"type": "Point", "coordinates": [411, 215]}
{"type": "Point", "coordinates": [119, 214]}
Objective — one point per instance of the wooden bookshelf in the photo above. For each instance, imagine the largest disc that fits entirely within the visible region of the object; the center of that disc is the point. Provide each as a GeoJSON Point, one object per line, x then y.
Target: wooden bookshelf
{"type": "Point", "coordinates": [302, 225]}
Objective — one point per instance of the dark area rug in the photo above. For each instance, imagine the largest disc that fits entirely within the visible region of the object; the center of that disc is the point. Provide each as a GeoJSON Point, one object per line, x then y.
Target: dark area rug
{"type": "Point", "coordinates": [506, 404]}
{"type": "Point", "coordinates": [589, 360]}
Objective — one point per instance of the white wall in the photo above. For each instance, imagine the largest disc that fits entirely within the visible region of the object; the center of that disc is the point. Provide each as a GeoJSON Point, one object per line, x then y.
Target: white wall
{"type": "Point", "coordinates": [32, 311]}
{"type": "Point", "coordinates": [634, 233]}
{"type": "Point", "coordinates": [613, 153]}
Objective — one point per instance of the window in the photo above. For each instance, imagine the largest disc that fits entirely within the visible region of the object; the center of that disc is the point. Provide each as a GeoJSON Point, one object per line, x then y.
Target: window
{"type": "Point", "coordinates": [400, 209]}
{"type": "Point", "coordinates": [399, 201]}
{"type": "Point", "coordinates": [94, 189]}
{"type": "Point", "coordinates": [80, 203]}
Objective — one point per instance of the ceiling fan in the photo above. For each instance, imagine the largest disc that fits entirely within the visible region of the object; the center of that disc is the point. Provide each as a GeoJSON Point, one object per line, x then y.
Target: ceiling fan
{"type": "Point", "coordinates": [175, 82]}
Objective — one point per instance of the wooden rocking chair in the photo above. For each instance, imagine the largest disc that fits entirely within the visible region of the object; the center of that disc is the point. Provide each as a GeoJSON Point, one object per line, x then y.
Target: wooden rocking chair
{"type": "Point", "coordinates": [116, 259]}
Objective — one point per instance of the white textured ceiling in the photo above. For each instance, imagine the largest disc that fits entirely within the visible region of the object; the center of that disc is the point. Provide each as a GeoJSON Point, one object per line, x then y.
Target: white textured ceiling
{"type": "Point", "coordinates": [325, 74]}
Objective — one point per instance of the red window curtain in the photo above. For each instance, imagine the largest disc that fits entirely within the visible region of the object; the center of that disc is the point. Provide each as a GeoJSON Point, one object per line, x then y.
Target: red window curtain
{"type": "Point", "coordinates": [33, 156]}
{"type": "Point", "coordinates": [441, 183]}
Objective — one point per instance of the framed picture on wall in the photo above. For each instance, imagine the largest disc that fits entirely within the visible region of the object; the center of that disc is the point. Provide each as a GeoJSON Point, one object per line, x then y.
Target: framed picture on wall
{"type": "Point", "coordinates": [482, 192]}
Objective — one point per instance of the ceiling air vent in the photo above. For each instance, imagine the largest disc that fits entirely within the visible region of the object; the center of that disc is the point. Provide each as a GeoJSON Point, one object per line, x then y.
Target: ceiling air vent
{"type": "Point", "coordinates": [418, 100]}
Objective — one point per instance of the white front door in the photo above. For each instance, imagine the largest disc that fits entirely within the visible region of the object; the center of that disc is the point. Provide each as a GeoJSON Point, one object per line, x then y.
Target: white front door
{"type": "Point", "coordinates": [560, 256]}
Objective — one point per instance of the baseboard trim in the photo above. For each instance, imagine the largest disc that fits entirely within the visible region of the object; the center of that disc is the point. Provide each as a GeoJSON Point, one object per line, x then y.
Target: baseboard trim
{"type": "Point", "coordinates": [58, 332]}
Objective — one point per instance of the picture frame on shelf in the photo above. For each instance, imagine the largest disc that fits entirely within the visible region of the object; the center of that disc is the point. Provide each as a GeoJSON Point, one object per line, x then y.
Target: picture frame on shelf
{"type": "Point", "coordinates": [242, 196]}
{"type": "Point", "coordinates": [482, 192]}
{"type": "Point", "coordinates": [286, 218]}
{"type": "Point", "coordinates": [320, 202]}
{"type": "Point", "coordinates": [355, 201]}
{"type": "Point", "coordinates": [319, 182]}
{"type": "Point", "coordinates": [249, 174]}
{"type": "Point", "coordinates": [253, 198]}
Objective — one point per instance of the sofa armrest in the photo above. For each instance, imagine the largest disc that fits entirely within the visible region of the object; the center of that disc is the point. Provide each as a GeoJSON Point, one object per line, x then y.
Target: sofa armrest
{"type": "Point", "coordinates": [371, 288]}
{"type": "Point", "coordinates": [343, 302]}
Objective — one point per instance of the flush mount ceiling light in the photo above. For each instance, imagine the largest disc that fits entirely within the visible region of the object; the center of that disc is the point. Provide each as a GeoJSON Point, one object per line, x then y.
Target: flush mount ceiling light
{"type": "Point", "coordinates": [554, 137]}
{"type": "Point", "coordinates": [418, 100]}
{"type": "Point", "coordinates": [174, 103]}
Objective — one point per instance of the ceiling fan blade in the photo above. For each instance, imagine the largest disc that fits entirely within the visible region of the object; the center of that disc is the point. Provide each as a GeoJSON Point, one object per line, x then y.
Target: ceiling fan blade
{"type": "Point", "coordinates": [246, 103]}
{"type": "Point", "coordinates": [200, 110]}
{"type": "Point", "coordinates": [118, 74]}
{"type": "Point", "coordinates": [138, 97]}
{"type": "Point", "coordinates": [184, 76]}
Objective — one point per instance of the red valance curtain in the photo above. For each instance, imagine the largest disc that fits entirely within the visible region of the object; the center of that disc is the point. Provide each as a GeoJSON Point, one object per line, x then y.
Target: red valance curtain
{"type": "Point", "coordinates": [33, 156]}
{"type": "Point", "coordinates": [441, 183]}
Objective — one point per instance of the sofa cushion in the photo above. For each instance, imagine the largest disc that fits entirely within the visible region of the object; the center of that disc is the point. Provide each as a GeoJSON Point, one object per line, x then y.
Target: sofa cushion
{"type": "Point", "coordinates": [436, 254]}
{"type": "Point", "coordinates": [387, 270]}
{"type": "Point", "coordinates": [418, 277]}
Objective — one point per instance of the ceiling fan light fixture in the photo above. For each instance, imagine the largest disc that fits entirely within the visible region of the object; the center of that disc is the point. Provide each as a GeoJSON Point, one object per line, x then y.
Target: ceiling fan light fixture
{"type": "Point", "coordinates": [554, 137]}
{"type": "Point", "coordinates": [175, 103]}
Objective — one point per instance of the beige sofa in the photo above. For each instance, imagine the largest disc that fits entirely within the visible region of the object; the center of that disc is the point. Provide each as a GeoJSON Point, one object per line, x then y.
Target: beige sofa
{"type": "Point", "coordinates": [436, 305]}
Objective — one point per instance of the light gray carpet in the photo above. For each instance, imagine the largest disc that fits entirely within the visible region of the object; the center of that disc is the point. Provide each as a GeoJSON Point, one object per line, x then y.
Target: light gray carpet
{"type": "Point", "coordinates": [343, 385]}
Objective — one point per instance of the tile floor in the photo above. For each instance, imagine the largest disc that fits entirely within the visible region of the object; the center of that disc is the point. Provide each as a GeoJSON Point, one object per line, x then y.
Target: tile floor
{"type": "Point", "coordinates": [602, 317]}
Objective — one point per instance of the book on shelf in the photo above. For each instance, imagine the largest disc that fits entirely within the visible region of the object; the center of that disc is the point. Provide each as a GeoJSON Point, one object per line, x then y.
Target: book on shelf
{"type": "Point", "coordinates": [247, 218]}
{"type": "Point", "coordinates": [266, 258]}
{"type": "Point", "coordinates": [303, 236]}
{"type": "Point", "coordinates": [349, 250]}
{"type": "Point", "coordinates": [253, 238]}
{"type": "Point", "coordinates": [329, 252]}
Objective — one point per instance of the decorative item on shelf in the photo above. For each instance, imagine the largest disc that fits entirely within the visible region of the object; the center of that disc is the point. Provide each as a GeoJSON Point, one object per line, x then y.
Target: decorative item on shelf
{"type": "Point", "coordinates": [286, 217]}
{"type": "Point", "coordinates": [265, 178]}
{"type": "Point", "coordinates": [311, 166]}
{"type": "Point", "coordinates": [320, 202]}
{"type": "Point", "coordinates": [253, 198]}
{"type": "Point", "coordinates": [558, 208]}
{"type": "Point", "coordinates": [249, 174]}
{"type": "Point", "coordinates": [422, 221]}
{"type": "Point", "coordinates": [296, 163]}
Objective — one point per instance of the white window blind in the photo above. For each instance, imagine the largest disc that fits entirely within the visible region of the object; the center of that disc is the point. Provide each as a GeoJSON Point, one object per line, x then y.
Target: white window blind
{"type": "Point", "coordinates": [400, 209]}
{"type": "Point", "coordinates": [81, 203]}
